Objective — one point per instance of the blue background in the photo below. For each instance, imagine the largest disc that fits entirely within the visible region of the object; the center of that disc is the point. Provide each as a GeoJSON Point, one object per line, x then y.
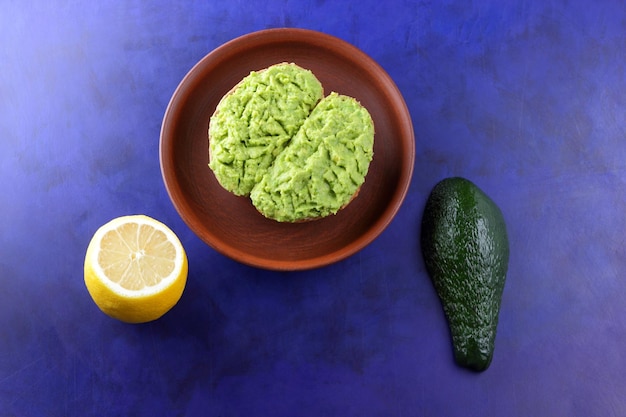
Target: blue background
{"type": "Point", "coordinates": [525, 98]}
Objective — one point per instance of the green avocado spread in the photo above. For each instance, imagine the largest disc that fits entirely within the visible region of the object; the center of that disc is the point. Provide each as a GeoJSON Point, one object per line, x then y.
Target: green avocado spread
{"type": "Point", "coordinates": [297, 154]}
{"type": "Point", "coordinates": [256, 120]}
{"type": "Point", "coordinates": [323, 166]}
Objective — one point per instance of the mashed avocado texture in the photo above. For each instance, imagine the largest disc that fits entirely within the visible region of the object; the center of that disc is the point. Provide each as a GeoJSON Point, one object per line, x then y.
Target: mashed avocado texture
{"type": "Point", "coordinates": [324, 165]}
{"type": "Point", "coordinates": [253, 124]}
{"type": "Point", "coordinates": [297, 154]}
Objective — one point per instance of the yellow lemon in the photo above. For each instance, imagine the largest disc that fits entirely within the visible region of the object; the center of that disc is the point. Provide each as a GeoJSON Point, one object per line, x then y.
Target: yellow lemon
{"type": "Point", "coordinates": [135, 268]}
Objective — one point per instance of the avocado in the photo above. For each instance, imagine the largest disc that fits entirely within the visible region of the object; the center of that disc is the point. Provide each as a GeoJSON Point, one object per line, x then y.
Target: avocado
{"type": "Point", "coordinates": [298, 155]}
{"type": "Point", "coordinates": [466, 251]}
{"type": "Point", "coordinates": [256, 120]}
{"type": "Point", "coordinates": [323, 166]}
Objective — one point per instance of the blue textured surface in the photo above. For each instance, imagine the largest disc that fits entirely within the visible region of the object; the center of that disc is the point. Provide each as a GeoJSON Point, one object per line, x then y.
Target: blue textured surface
{"type": "Point", "coordinates": [526, 99]}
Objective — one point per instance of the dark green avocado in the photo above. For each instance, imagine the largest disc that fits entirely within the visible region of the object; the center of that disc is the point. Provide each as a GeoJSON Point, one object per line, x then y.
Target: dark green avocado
{"type": "Point", "coordinates": [466, 252]}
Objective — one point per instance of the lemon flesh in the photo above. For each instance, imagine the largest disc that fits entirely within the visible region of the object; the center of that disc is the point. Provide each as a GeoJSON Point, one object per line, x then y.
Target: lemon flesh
{"type": "Point", "coordinates": [135, 269]}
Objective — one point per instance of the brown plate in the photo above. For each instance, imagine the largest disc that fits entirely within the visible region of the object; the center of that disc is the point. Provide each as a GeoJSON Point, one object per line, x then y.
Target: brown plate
{"type": "Point", "coordinates": [230, 224]}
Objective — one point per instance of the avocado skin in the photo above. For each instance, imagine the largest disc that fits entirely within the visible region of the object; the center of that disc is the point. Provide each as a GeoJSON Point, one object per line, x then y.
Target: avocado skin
{"type": "Point", "coordinates": [466, 252]}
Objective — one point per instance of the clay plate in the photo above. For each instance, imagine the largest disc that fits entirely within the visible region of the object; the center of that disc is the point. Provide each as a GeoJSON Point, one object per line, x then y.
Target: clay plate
{"type": "Point", "coordinates": [230, 224]}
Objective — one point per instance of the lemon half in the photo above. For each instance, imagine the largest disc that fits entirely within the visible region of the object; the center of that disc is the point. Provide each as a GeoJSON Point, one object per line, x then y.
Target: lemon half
{"type": "Point", "coordinates": [135, 268]}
